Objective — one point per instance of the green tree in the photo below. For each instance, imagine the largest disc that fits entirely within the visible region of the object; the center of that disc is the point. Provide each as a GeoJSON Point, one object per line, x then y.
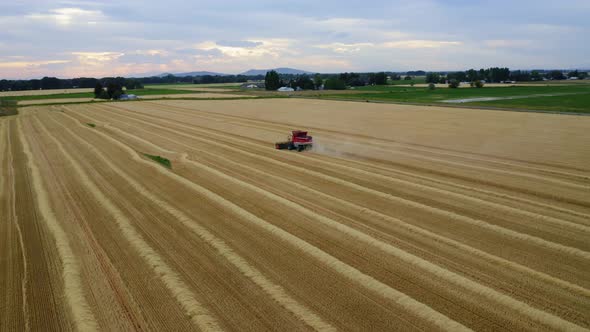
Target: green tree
{"type": "Point", "coordinates": [520, 76]}
{"type": "Point", "coordinates": [35, 84]}
{"type": "Point", "coordinates": [207, 79]}
{"type": "Point", "coordinates": [433, 78]}
{"type": "Point", "coordinates": [335, 84]}
{"type": "Point", "coordinates": [302, 82]}
{"type": "Point", "coordinates": [104, 95]}
{"type": "Point", "coordinates": [318, 81]}
{"type": "Point", "coordinates": [98, 90]}
{"type": "Point", "coordinates": [50, 83]}
{"type": "Point", "coordinates": [574, 73]}
{"type": "Point", "coordinates": [431, 86]}
{"type": "Point", "coordinates": [459, 76]}
{"type": "Point", "coordinates": [352, 79]}
{"type": "Point", "coordinates": [272, 81]}
{"type": "Point", "coordinates": [478, 84]}
{"type": "Point", "coordinates": [407, 78]}
{"type": "Point", "coordinates": [472, 75]}
{"type": "Point", "coordinates": [535, 76]}
{"type": "Point", "coordinates": [555, 75]}
{"type": "Point", "coordinates": [453, 84]}
{"type": "Point", "coordinates": [381, 78]}
{"type": "Point", "coordinates": [114, 90]}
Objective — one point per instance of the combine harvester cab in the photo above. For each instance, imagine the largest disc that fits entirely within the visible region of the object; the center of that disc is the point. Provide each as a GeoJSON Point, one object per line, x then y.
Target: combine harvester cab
{"type": "Point", "coordinates": [298, 140]}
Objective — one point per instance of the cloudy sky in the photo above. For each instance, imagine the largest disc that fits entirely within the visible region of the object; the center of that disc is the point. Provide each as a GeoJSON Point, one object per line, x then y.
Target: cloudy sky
{"type": "Point", "coordinates": [72, 38]}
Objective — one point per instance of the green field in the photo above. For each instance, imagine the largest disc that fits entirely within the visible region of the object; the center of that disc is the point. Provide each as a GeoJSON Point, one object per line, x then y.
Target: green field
{"type": "Point", "coordinates": [575, 98]}
{"type": "Point", "coordinates": [138, 92]}
{"type": "Point", "coordinates": [8, 107]}
{"type": "Point", "coordinates": [50, 96]}
{"type": "Point", "coordinates": [568, 98]}
{"type": "Point", "coordinates": [415, 80]}
{"type": "Point", "coordinates": [190, 85]}
{"type": "Point", "coordinates": [571, 103]}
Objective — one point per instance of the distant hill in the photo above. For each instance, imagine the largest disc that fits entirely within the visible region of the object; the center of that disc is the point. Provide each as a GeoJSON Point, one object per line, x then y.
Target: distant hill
{"type": "Point", "coordinates": [292, 71]}
{"type": "Point", "coordinates": [193, 73]}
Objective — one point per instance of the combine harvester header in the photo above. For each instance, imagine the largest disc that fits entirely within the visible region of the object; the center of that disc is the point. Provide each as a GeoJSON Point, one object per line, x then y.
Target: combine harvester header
{"type": "Point", "coordinates": [298, 140]}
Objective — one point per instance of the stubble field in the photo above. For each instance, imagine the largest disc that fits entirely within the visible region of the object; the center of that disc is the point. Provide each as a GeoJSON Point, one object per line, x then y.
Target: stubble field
{"type": "Point", "coordinates": [401, 218]}
{"type": "Point", "coordinates": [42, 92]}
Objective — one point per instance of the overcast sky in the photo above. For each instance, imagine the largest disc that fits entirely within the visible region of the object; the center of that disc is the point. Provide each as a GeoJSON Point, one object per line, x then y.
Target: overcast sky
{"type": "Point", "coordinates": [73, 38]}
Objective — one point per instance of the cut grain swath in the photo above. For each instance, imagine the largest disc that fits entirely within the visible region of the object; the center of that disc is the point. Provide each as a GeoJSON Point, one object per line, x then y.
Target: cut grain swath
{"type": "Point", "coordinates": [124, 133]}
{"type": "Point", "coordinates": [82, 314]}
{"type": "Point", "coordinates": [451, 277]}
{"type": "Point", "coordinates": [275, 291]}
{"type": "Point", "coordinates": [532, 215]}
{"type": "Point", "coordinates": [25, 279]}
{"type": "Point", "coordinates": [461, 197]}
{"type": "Point", "coordinates": [415, 155]}
{"type": "Point", "coordinates": [400, 223]}
{"type": "Point", "coordinates": [470, 189]}
{"type": "Point", "coordinates": [524, 168]}
{"type": "Point", "coordinates": [420, 148]}
{"type": "Point", "coordinates": [200, 316]}
{"type": "Point", "coordinates": [412, 204]}
{"type": "Point", "coordinates": [411, 305]}
{"type": "Point", "coordinates": [214, 132]}
{"type": "Point", "coordinates": [3, 138]}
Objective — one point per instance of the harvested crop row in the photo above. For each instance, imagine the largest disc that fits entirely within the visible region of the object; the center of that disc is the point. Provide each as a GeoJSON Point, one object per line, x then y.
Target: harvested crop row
{"type": "Point", "coordinates": [101, 142]}
{"type": "Point", "coordinates": [427, 233]}
{"type": "Point", "coordinates": [82, 314]}
{"type": "Point", "coordinates": [504, 231]}
{"type": "Point", "coordinates": [127, 135]}
{"type": "Point", "coordinates": [370, 283]}
{"type": "Point", "coordinates": [200, 316]}
{"type": "Point", "coordinates": [403, 149]}
{"type": "Point", "coordinates": [500, 181]}
{"type": "Point", "coordinates": [160, 138]}
{"type": "Point", "coordinates": [268, 124]}
{"type": "Point", "coordinates": [274, 290]}
{"type": "Point", "coordinates": [528, 261]}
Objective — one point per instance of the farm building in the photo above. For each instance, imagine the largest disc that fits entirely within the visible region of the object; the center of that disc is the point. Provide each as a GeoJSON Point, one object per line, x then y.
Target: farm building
{"type": "Point", "coordinates": [128, 97]}
{"type": "Point", "coordinates": [253, 85]}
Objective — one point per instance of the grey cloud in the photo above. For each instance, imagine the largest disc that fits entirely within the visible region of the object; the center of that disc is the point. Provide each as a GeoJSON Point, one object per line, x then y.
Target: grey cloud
{"type": "Point", "coordinates": [239, 43]}
{"type": "Point", "coordinates": [268, 32]}
{"type": "Point", "coordinates": [214, 52]}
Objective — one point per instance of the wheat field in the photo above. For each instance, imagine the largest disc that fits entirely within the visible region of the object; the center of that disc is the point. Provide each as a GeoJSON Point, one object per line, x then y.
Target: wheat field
{"type": "Point", "coordinates": [400, 218]}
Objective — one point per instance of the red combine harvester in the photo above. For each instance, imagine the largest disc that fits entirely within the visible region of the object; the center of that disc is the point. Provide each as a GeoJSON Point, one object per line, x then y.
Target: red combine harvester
{"type": "Point", "coordinates": [298, 140]}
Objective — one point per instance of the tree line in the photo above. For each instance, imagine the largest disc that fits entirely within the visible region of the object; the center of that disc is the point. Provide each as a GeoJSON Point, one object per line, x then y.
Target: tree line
{"type": "Point", "coordinates": [496, 75]}
{"type": "Point", "coordinates": [47, 83]}
{"type": "Point", "coordinates": [306, 82]}
{"type": "Point", "coordinates": [274, 80]}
